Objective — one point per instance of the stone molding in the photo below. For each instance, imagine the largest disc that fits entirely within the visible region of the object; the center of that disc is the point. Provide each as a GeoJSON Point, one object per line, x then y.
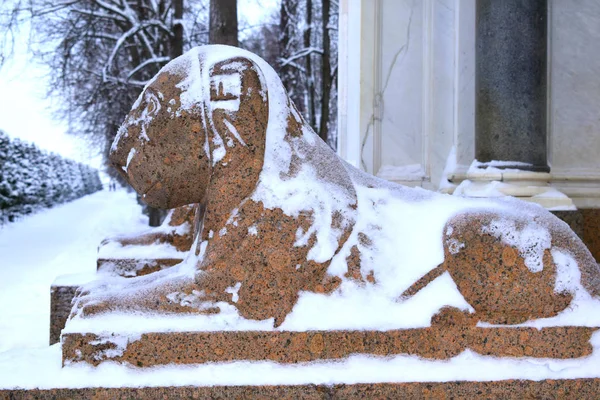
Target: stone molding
{"type": "Point", "coordinates": [581, 188]}
{"type": "Point", "coordinates": [507, 389]}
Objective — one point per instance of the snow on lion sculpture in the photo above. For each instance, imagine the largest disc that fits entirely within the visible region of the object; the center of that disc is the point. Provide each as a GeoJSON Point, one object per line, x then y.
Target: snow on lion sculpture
{"type": "Point", "coordinates": [291, 234]}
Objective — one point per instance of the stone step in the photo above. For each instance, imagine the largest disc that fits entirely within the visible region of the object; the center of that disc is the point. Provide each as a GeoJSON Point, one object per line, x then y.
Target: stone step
{"type": "Point", "coordinates": [160, 348]}
{"type": "Point", "coordinates": [64, 287]}
{"type": "Point", "coordinates": [62, 292]}
{"type": "Point", "coordinates": [131, 267]}
{"type": "Point", "coordinates": [507, 389]}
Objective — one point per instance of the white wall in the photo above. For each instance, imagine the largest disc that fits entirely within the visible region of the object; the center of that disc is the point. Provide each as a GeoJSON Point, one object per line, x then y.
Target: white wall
{"type": "Point", "coordinates": [575, 88]}
{"type": "Point", "coordinates": [411, 109]}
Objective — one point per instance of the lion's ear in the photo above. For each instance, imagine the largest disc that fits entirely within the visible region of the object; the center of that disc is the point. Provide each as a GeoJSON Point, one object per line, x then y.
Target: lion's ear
{"type": "Point", "coordinates": [239, 103]}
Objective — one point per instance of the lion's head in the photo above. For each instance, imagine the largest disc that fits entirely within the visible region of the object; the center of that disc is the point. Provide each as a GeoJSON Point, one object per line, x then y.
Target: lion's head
{"type": "Point", "coordinates": [204, 111]}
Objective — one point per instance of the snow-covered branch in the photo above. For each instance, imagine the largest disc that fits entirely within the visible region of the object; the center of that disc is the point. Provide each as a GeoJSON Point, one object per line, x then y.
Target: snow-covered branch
{"type": "Point", "coordinates": [98, 15]}
{"type": "Point", "coordinates": [116, 48]}
{"type": "Point", "coordinates": [116, 79]}
{"type": "Point", "coordinates": [55, 7]}
{"type": "Point", "coordinates": [116, 10]}
{"type": "Point", "coordinates": [100, 35]}
{"type": "Point", "coordinates": [159, 60]}
{"type": "Point", "coordinates": [297, 66]}
{"type": "Point", "coordinates": [133, 19]}
{"type": "Point", "coordinates": [300, 54]}
{"type": "Point", "coordinates": [136, 29]}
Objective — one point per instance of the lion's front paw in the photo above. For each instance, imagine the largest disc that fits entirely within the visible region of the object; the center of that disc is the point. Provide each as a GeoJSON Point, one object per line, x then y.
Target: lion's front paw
{"type": "Point", "coordinates": [86, 309]}
{"type": "Point", "coordinates": [96, 298]}
{"type": "Point", "coordinates": [146, 294]}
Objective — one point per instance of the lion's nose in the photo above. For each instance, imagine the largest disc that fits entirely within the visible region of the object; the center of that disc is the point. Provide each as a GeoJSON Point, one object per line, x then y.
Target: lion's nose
{"type": "Point", "coordinates": [118, 162]}
{"type": "Point", "coordinates": [119, 152]}
{"type": "Point", "coordinates": [121, 170]}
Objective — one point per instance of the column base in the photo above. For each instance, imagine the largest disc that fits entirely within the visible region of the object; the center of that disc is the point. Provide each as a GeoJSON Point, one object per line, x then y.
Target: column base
{"type": "Point", "coordinates": [531, 186]}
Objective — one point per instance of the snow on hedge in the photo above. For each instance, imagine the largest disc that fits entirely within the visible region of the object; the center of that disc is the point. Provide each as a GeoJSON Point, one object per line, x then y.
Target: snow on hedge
{"type": "Point", "coordinates": [32, 179]}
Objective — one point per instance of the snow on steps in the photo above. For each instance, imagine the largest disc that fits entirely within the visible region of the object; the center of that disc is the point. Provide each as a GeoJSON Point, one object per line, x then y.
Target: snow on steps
{"type": "Point", "coordinates": [466, 375]}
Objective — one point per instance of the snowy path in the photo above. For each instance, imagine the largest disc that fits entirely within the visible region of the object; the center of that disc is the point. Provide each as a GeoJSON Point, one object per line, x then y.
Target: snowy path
{"type": "Point", "coordinates": [62, 240]}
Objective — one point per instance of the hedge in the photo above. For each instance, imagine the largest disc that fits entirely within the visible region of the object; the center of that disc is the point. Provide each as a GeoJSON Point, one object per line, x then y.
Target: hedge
{"type": "Point", "coordinates": [32, 179]}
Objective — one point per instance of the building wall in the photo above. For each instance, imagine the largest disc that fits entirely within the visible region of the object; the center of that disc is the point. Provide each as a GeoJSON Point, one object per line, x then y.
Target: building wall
{"type": "Point", "coordinates": [407, 111]}
{"type": "Point", "coordinates": [575, 92]}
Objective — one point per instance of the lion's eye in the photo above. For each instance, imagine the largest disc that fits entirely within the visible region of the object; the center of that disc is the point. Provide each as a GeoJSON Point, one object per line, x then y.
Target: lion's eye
{"type": "Point", "coordinates": [153, 105]}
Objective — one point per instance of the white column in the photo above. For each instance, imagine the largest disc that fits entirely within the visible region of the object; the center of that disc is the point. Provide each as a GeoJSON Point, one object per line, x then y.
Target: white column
{"type": "Point", "coordinates": [355, 66]}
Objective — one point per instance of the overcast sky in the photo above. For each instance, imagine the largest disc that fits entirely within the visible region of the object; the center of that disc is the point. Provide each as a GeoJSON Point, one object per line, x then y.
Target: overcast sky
{"type": "Point", "coordinates": [25, 113]}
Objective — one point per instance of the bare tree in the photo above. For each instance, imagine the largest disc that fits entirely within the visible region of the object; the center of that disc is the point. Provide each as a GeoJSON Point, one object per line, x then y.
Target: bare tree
{"type": "Point", "coordinates": [290, 70]}
{"type": "Point", "coordinates": [223, 27]}
{"type": "Point", "coordinates": [326, 77]}
{"type": "Point", "coordinates": [310, 79]}
{"type": "Point", "coordinates": [263, 39]}
{"type": "Point", "coordinates": [312, 54]}
{"type": "Point", "coordinates": [101, 53]}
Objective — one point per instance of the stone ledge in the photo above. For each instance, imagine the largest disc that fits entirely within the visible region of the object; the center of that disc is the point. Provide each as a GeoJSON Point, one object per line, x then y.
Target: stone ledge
{"type": "Point", "coordinates": [62, 291]}
{"type": "Point", "coordinates": [579, 186]}
{"type": "Point", "coordinates": [131, 267]}
{"type": "Point", "coordinates": [292, 347]}
{"type": "Point", "coordinates": [60, 308]}
{"type": "Point", "coordinates": [509, 389]}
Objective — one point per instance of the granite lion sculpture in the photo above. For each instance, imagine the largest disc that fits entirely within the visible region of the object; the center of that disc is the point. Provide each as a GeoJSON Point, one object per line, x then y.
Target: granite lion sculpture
{"type": "Point", "coordinates": [283, 218]}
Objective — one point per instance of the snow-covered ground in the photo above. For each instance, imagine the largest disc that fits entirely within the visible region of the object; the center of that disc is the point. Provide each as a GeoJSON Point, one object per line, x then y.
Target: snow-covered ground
{"type": "Point", "coordinates": [37, 249]}
{"type": "Point", "coordinates": [34, 251]}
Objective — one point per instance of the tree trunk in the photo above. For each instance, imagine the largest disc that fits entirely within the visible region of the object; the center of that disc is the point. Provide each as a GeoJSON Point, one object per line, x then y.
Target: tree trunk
{"type": "Point", "coordinates": [223, 28]}
{"type": "Point", "coordinates": [325, 73]}
{"type": "Point", "coordinates": [287, 10]}
{"type": "Point", "coordinates": [155, 216]}
{"type": "Point", "coordinates": [177, 38]}
{"type": "Point", "coordinates": [288, 45]}
{"type": "Point", "coordinates": [310, 93]}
